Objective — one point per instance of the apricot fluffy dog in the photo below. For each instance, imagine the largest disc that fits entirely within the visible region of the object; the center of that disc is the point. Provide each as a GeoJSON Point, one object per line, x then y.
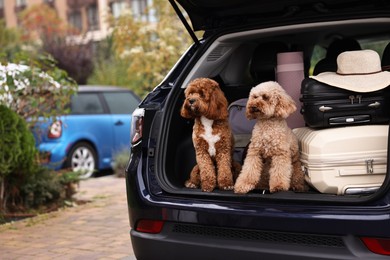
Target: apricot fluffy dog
{"type": "Point", "coordinates": [212, 138]}
{"type": "Point", "coordinates": [273, 149]}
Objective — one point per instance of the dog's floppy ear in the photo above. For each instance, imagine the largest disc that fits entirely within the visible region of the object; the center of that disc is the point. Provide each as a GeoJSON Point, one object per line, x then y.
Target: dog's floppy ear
{"type": "Point", "coordinates": [285, 106]}
{"type": "Point", "coordinates": [184, 112]}
{"type": "Point", "coordinates": [218, 105]}
{"type": "Point", "coordinates": [248, 114]}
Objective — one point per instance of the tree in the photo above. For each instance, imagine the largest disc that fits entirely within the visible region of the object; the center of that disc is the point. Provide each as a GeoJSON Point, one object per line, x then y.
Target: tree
{"type": "Point", "coordinates": [41, 24]}
{"type": "Point", "coordinates": [142, 51]}
{"type": "Point", "coordinates": [10, 41]}
{"type": "Point", "coordinates": [75, 59]}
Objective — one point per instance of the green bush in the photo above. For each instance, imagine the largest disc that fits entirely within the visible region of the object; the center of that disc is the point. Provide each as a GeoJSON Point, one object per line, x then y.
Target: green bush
{"type": "Point", "coordinates": [24, 184]}
{"type": "Point", "coordinates": [70, 182]}
{"type": "Point", "coordinates": [120, 162]}
{"type": "Point", "coordinates": [40, 188]}
{"type": "Point", "coordinates": [17, 144]}
{"type": "Point", "coordinates": [18, 155]}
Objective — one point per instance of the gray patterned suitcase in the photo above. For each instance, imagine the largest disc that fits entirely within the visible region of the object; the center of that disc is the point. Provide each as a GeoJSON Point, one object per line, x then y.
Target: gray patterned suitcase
{"type": "Point", "coordinates": [241, 127]}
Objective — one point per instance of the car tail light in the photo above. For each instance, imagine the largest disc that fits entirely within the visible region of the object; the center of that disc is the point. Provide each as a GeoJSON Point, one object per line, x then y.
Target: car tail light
{"type": "Point", "coordinates": [149, 226]}
{"type": "Point", "coordinates": [55, 130]}
{"type": "Point", "coordinates": [137, 125]}
{"type": "Point", "coordinates": [377, 245]}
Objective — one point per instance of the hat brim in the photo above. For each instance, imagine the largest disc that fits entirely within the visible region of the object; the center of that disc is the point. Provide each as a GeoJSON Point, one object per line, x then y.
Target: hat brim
{"type": "Point", "coordinates": [357, 83]}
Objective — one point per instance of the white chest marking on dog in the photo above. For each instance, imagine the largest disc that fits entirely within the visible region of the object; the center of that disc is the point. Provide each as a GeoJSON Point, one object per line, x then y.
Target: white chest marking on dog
{"type": "Point", "coordinates": [208, 134]}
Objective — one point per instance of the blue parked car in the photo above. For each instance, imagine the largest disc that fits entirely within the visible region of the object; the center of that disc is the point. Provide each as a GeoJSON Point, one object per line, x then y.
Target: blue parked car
{"type": "Point", "coordinates": [171, 221]}
{"type": "Point", "coordinates": [87, 139]}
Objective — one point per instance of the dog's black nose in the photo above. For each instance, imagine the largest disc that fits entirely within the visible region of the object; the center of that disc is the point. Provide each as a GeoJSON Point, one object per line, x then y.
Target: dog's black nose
{"type": "Point", "coordinates": [192, 100]}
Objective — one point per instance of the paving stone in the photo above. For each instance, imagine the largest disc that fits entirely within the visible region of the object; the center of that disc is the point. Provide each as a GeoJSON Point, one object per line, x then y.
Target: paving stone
{"type": "Point", "coordinates": [98, 229]}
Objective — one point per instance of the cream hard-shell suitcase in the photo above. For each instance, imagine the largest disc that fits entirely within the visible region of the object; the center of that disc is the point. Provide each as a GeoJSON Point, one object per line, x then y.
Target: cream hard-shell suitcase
{"type": "Point", "coordinates": [344, 160]}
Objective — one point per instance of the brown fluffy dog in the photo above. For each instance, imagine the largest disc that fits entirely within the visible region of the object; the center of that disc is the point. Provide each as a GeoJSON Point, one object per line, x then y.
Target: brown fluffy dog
{"type": "Point", "coordinates": [273, 149]}
{"type": "Point", "coordinates": [212, 138]}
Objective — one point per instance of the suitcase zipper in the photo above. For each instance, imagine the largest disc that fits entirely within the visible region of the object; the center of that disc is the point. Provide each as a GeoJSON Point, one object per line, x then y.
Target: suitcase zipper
{"type": "Point", "coordinates": [340, 99]}
{"type": "Point", "coordinates": [356, 160]}
{"type": "Point", "coordinates": [338, 106]}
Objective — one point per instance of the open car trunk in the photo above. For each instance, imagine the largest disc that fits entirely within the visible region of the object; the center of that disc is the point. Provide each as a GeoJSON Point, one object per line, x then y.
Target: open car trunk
{"type": "Point", "coordinates": [227, 57]}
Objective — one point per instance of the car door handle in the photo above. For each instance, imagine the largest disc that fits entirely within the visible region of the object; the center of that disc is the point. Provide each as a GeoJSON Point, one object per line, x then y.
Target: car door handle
{"type": "Point", "coordinates": [119, 122]}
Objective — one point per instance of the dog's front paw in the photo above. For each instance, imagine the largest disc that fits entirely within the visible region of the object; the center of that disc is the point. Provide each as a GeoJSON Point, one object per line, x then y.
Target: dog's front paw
{"type": "Point", "coordinates": [300, 187]}
{"type": "Point", "coordinates": [226, 184]}
{"type": "Point", "coordinates": [190, 185]}
{"type": "Point", "coordinates": [277, 188]}
{"type": "Point", "coordinates": [229, 187]}
{"type": "Point", "coordinates": [243, 188]}
{"type": "Point", "coordinates": [207, 188]}
{"type": "Point", "coordinates": [243, 185]}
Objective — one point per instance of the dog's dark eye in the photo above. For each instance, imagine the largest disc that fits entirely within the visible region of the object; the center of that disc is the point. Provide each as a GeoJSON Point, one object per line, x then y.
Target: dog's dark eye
{"type": "Point", "coordinates": [265, 97]}
{"type": "Point", "coordinates": [201, 94]}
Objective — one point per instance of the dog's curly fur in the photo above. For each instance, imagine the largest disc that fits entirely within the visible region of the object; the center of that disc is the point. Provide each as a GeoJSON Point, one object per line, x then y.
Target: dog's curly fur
{"type": "Point", "coordinates": [273, 153]}
{"type": "Point", "coordinates": [212, 137]}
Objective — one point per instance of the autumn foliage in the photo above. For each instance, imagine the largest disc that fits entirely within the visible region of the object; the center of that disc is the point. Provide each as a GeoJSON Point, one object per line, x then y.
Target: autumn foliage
{"type": "Point", "coordinates": [143, 51]}
{"type": "Point", "coordinates": [41, 24]}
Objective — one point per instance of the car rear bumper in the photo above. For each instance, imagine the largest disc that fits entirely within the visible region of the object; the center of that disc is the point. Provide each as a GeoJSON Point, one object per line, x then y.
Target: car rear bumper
{"type": "Point", "coordinates": [55, 154]}
{"type": "Point", "coordinates": [184, 241]}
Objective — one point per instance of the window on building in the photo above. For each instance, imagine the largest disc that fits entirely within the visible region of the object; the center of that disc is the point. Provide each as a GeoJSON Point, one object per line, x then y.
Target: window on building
{"type": "Point", "coordinates": [1, 9]}
{"type": "Point", "coordinates": [20, 3]}
{"type": "Point", "coordinates": [138, 8]}
{"type": "Point", "coordinates": [49, 2]}
{"type": "Point", "coordinates": [93, 17]}
{"type": "Point", "coordinates": [118, 8]}
{"type": "Point", "coordinates": [74, 19]}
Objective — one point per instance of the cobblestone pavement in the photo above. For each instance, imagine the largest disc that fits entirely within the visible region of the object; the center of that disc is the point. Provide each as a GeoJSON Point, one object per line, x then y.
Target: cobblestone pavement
{"type": "Point", "coordinates": [95, 230]}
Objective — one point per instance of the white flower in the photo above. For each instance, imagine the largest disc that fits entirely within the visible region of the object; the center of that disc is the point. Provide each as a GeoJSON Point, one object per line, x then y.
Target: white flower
{"type": "Point", "coordinates": [21, 83]}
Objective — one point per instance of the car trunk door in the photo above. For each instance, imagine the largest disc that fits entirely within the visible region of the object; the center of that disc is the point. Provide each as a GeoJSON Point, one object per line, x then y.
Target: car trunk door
{"type": "Point", "coordinates": [212, 15]}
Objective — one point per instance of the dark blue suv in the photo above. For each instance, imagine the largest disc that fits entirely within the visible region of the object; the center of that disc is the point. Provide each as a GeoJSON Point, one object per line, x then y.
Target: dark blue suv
{"type": "Point", "coordinates": [170, 221]}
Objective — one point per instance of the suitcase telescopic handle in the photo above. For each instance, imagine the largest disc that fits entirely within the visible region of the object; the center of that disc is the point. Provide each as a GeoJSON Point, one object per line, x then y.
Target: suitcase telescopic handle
{"type": "Point", "coordinates": [374, 105]}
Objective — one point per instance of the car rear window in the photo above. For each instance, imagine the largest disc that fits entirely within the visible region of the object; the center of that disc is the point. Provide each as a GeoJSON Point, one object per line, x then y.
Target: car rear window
{"type": "Point", "coordinates": [86, 103]}
{"type": "Point", "coordinates": [121, 102]}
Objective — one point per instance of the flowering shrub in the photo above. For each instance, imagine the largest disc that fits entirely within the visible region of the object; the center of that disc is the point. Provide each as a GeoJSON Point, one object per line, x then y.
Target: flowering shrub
{"type": "Point", "coordinates": [28, 92]}
{"type": "Point", "coordinates": [32, 92]}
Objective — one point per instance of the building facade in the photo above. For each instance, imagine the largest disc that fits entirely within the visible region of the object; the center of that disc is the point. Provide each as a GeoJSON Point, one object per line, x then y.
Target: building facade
{"type": "Point", "coordinates": [88, 16]}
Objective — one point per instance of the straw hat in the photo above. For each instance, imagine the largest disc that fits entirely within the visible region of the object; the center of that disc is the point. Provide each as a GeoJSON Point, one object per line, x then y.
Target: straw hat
{"type": "Point", "coordinates": [358, 71]}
